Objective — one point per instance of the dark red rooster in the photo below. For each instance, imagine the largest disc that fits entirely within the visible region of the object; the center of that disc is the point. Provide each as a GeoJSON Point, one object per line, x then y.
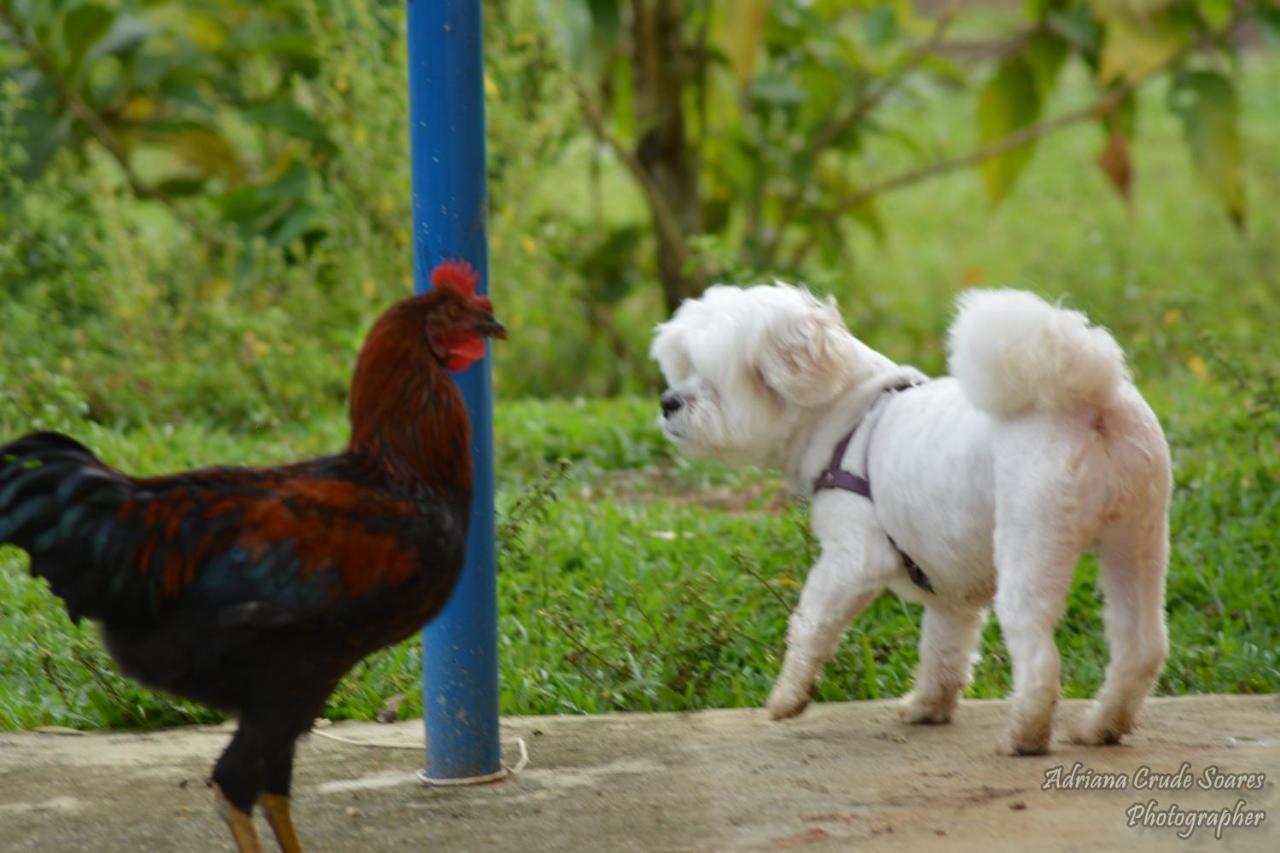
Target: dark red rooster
{"type": "Point", "coordinates": [255, 590]}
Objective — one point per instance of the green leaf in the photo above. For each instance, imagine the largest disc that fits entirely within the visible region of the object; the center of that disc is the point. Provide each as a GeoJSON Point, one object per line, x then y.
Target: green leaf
{"type": "Point", "coordinates": [777, 90]}
{"type": "Point", "coordinates": [1136, 45]}
{"type": "Point", "coordinates": [1079, 28]}
{"type": "Point", "coordinates": [570, 24]}
{"type": "Point", "coordinates": [945, 69]}
{"type": "Point", "coordinates": [868, 216]}
{"type": "Point", "coordinates": [742, 36]}
{"type": "Point", "coordinates": [1010, 100]}
{"type": "Point", "coordinates": [606, 19]}
{"type": "Point", "coordinates": [1270, 18]}
{"type": "Point", "coordinates": [1039, 10]}
{"type": "Point", "coordinates": [584, 30]}
{"type": "Point", "coordinates": [1216, 13]}
{"type": "Point", "coordinates": [836, 182]}
{"type": "Point", "coordinates": [1123, 116]}
{"type": "Point", "coordinates": [200, 146]}
{"type": "Point", "coordinates": [1045, 52]}
{"type": "Point", "coordinates": [126, 35]}
{"type": "Point", "coordinates": [81, 30]}
{"type": "Point", "coordinates": [42, 131]}
{"type": "Point", "coordinates": [291, 120]}
{"type": "Point", "coordinates": [881, 25]}
{"type": "Point", "coordinates": [182, 186]}
{"type": "Point", "coordinates": [606, 26]}
{"type": "Point", "coordinates": [1206, 102]}
{"type": "Point", "coordinates": [274, 210]}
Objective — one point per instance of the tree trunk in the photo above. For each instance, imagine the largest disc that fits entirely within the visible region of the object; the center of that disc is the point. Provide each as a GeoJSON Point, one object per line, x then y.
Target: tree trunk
{"type": "Point", "coordinates": [663, 64]}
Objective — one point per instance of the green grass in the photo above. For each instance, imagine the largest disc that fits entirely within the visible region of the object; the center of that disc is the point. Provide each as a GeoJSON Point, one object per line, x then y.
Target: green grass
{"type": "Point", "coordinates": [633, 580]}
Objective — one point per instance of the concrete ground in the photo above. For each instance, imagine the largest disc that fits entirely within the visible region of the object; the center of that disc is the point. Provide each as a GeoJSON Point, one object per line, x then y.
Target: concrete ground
{"type": "Point", "coordinates": [842, 776]}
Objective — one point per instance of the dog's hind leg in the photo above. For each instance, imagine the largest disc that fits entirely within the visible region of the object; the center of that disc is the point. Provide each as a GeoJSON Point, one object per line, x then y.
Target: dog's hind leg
{"type": "Point", "coordinates": [1133, 558]}
{"type": "Point", "coordinates": [947, 643]}
{"type": "Point", "coordinates": [1034, 566]}
{"type": "Point", "coordinates": [853, 570]}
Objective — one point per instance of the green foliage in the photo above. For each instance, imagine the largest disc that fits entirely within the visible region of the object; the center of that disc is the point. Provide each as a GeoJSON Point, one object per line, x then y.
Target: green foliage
{"type": "Point", "coordinates": [1141, 38]}
{"type": "Point", "coordinates": [1012, 100]}
{"type": "Point", "coordinates": [778, 104]}
{"type": "Point", "coordinates": [1009, 101]}
{"type": "Point", "coordinates": [268, 144]}
{"type": "Point", "coordinates": [1206, 102]}
{"type": "Point", "coordinates": [218, 101]}
{"type": "Point", "coordinates": [252, 333]}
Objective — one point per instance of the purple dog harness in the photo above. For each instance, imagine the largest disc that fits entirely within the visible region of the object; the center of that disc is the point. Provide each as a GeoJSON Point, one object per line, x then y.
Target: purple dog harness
{"type": "Point", "coordinates": [836, 477]}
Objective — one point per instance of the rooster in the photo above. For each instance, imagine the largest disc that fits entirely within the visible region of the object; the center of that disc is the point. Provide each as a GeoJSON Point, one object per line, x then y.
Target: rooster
{"type": "Point", "coordinates": [254, 590]}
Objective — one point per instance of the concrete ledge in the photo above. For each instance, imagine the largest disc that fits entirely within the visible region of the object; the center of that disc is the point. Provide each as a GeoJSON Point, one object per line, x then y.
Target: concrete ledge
{"type": "Point", "coordinates": [841, 776]}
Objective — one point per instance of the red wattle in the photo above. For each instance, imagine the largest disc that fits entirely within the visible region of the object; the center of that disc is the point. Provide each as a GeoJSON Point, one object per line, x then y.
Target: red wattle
{"type": "Point", "coordinates": [465, 353]}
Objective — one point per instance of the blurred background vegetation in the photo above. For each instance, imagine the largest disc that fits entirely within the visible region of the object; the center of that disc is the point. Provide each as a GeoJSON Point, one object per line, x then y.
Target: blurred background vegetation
{"type": "Point", "coordinates": [204, 205]}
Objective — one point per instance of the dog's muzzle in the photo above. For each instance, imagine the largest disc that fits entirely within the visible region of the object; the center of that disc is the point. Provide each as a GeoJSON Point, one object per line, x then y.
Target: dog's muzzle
{"type": "Point", "coordinates": [670, 402]}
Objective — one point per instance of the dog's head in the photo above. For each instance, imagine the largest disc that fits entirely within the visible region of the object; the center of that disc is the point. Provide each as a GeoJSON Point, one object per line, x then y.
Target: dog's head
{"type": "Point", "coordinates": [746, 367]}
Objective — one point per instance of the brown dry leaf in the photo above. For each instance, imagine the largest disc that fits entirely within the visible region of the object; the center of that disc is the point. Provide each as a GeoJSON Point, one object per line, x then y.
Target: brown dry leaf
{"type": "Point", "coordinates": [809, 836]}
{"type": "Point", "coordinates": [1115, 164]}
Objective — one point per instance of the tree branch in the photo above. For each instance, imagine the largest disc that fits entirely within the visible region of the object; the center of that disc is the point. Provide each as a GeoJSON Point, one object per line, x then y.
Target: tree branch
{"type": "Point", "coordinates": [837, 127]}
{"type": "Point", "coordinates": [841, 125]}
{"type": "Point", "coordinates": [1018, 138]}
{"type": "Point", "coordinates": [1104, 104]}
{"type": "Point", "coordinates": [664, 217]}
{"type": "Point", "coordinates": [88, 116]}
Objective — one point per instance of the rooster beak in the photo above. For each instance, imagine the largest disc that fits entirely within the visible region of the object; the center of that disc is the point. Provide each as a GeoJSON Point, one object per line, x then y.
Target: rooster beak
{"type": "Point", "coordinates": [491, 327]}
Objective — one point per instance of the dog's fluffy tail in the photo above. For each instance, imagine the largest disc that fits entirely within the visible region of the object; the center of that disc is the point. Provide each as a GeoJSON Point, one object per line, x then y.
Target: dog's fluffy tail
{"type": "Point", "coordinates": [1014, 353]}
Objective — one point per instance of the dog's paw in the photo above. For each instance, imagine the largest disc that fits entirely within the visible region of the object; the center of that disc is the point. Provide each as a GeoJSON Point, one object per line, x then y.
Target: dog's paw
{"type": "Point", "coordinates": [1092, 730]}
{"type": "Point", "coordinates": [1015, 743]}
{"type": "Point", "coordinates": [917, 711]}
{"type": "Point", "coordinates": [785, 702]}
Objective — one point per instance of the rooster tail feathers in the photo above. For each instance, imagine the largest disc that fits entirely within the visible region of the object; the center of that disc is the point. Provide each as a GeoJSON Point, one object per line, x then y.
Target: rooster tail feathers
{"type": "Point", "coordinates": [52, 491]}
{"type": "Point", "coordinates": [37, 473]}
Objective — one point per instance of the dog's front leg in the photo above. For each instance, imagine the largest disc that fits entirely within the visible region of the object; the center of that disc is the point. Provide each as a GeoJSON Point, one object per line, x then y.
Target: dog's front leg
{"type": "Point", "coordinates": [851, 574]}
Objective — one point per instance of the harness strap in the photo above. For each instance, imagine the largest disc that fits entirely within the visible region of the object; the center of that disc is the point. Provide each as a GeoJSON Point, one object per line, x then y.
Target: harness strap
{"type": "Point", "coordinates": [836, 477]}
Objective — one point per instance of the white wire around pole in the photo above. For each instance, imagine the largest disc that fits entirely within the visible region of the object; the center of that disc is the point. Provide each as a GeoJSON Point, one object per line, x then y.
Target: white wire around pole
{"type": "Point", "coordinates": [501, 773]}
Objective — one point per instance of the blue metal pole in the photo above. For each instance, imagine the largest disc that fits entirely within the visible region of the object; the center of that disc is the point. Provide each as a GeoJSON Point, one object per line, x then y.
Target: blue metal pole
{"type": "Point", "coordinates": [450, 212]}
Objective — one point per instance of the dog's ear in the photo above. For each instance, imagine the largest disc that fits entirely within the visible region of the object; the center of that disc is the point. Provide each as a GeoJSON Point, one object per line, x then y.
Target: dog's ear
{"type": "Point", "coordinates": [809, 358]}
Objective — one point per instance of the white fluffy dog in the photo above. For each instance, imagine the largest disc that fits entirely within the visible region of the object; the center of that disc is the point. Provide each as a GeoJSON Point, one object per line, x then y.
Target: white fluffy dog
{"type": "Point", "coordinates": [953, 492]}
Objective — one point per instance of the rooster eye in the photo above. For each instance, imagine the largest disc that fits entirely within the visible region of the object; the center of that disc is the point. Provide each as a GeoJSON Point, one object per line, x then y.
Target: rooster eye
{"type": "Point", "coordinates": [453, 311]}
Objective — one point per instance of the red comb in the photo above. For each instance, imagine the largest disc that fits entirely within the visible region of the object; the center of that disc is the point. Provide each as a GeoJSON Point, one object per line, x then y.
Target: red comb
{"type": "Point", "coordinates": [456, 275]}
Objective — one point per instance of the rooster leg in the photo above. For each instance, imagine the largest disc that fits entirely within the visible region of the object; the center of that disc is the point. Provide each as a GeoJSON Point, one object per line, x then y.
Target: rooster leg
{"type": "Point", "coordinates": [277, 777]}
{"type": "Point", "coordinates": [277, 808]}
{"type": "Point", "coordinates": [237, 781]}
{"type": "Point", "coordinates": [240, 823]}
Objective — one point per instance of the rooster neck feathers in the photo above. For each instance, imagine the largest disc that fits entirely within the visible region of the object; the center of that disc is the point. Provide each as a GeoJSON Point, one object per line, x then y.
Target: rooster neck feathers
{"type": "Point", "coordinates": [406, 412]}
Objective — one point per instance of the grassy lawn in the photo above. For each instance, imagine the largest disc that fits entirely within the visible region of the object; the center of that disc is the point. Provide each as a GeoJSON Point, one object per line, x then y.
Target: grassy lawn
{"type": "Point", "coordinates": [633, 580]}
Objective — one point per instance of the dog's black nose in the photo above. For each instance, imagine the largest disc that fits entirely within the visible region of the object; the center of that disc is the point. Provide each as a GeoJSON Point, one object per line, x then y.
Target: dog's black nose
{"type": "Point", "coordinates": [670, 402]}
